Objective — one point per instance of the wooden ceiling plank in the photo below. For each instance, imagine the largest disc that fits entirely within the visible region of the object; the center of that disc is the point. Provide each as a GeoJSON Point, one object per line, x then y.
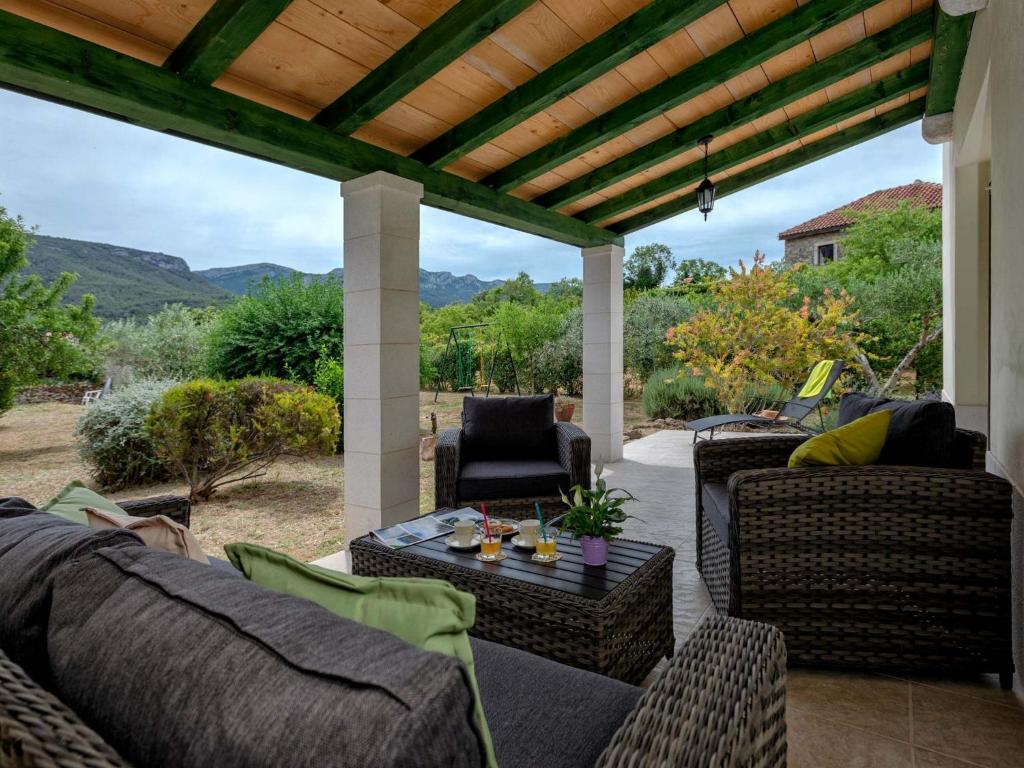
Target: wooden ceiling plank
{"type": "Point", "coordinates": [804, 126]}
{"type": "Point", "coordinates": [437, 46]}
{"type": "Point", "coordinates": [220, 37]}
{"type": "Point", "coordinates": [620, 43]}
{"type": "Point", "coordinates": [952, 35]}
{"type": "Point", "coordinates": [837, 142]}
{"type": "Point", "coordinates": [42, 61]}
{"type": "Point", "coordinates": [799, 85]}
{"type": "Point", "coordinates": [748, 52]}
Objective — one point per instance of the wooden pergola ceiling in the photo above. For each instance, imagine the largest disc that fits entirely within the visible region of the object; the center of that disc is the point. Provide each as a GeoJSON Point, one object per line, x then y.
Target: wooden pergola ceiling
{"type": "Point", "coordinates": [573, 119]}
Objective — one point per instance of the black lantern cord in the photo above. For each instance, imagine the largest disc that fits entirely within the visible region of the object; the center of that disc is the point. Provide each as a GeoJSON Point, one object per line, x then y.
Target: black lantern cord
{"type": "Point", "coordinates": [706, 190]}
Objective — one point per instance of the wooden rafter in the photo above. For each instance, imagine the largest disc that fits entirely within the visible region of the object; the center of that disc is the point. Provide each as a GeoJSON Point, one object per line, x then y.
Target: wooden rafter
{"type": "Point", "coordinates": [626, 39]}
{"type": "Point", "coordinates": [433, 49]}
{"type": "Point", "coordinates": [43, 61]}
{"type": "Point", "coordinates": [952, 36]}
{"type": "Point", "coordinates": [829, 145]}
{"type": "Point", "coordinates": [754, 49]}
{"type": "Point", "coordinates": [851, 105]}
{"type": "Point", "coordinates": [227, 29]}
{"type": "Point", "coordinates": [860, 56]}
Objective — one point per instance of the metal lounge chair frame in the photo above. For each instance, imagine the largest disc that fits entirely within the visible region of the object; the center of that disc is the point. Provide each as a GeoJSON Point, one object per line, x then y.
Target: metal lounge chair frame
{"type": "Point", "coordinates": [791, 414]}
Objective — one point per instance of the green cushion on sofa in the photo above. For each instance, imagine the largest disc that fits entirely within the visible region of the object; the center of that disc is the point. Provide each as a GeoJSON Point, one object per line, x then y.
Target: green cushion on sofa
{"type": "Point", "coordinates": [854, 444]}
{"type": "Point", "coordinates": [428, 613]}
{"type": "Point", "coordinates": [74, 498]}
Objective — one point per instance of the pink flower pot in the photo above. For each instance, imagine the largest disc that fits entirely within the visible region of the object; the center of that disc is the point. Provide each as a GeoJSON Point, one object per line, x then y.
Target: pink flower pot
{"type": "Point", "coordinates": [595, 550]}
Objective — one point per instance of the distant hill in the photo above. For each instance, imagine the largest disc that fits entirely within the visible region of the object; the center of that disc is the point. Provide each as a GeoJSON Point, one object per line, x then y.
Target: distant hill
{"type": "Point", "coordinates": [126, 282]}
{"type": "Point", "coordinates": [436, 288]}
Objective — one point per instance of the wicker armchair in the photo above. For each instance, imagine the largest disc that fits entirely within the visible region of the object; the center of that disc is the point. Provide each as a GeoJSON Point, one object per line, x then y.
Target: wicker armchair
{"type": "Point", "coordinates": [573, 446]}
{"type": "Point", "coordinates": [885, 567]}
{"type": "Point", "coordinates": [177, 508]}
{"type": "Point", "coordinates": [720, 702]}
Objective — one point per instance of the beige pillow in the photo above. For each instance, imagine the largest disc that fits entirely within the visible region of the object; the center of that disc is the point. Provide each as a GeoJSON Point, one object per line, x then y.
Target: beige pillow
{"type": "Point", "coordinates": [158, 532]}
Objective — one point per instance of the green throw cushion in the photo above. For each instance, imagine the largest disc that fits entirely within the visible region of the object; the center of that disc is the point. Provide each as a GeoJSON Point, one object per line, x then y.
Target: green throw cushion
{"type": "Point", "coordinates": [428, 613]}
{"type": "Point", "coordinates": [74, 498]}
{"type": "Point", "coordinates": [859, 442]}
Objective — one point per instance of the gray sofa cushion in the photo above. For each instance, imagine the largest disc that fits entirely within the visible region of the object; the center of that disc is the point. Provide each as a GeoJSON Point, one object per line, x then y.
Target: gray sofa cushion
{"type": "Point", "coordinates": [922, 433]}
{"type": "Point", "coordinates": [216, 670]}
{"type": "Point", "coordinates": [512, 479]}
{"type": "Point", "coordinates": [15, 506]}
{"type": "Point", "coordinates": [33, 547]}
{"type": "Point", "coordinates": [714, 499]}
{"type": "Point", "coordinates": [508, 428]}
{"type": "Point", "coordinates": [542, 713]}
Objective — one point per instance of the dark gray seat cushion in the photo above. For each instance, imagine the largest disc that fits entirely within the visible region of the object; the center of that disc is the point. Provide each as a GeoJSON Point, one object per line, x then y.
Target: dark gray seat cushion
{"type": "Point", "coordinates": [33, 548]}
{"type": "Point", "coordinates": [922, 433]}
{"type": "Point", "coordinates": [715, 501]}
{"type": "Point", "coordinates": [542, 713]}
{"type": "Point", "coordinates": [15, 506]}
{"type": "Point", "coordinates": [178, 664]}
{"type": "Point", "coordinates": [508, 428]}
{"type": "Point", "coordinates": [512, 479]}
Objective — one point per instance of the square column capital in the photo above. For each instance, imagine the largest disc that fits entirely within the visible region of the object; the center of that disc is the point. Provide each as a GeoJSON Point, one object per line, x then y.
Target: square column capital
{"type": "Point", "coordinates": [610, 249]}
{"type": "Point", "coordinates": [381, 179]}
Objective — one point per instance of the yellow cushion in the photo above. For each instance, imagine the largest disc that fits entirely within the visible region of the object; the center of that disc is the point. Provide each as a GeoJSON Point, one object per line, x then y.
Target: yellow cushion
{"type": "Point", "coordinates": [859, 442]}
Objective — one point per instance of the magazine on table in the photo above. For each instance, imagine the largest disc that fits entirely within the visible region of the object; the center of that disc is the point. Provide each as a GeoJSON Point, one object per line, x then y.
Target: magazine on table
{"type": "Point", "coordinates": [424, 528]}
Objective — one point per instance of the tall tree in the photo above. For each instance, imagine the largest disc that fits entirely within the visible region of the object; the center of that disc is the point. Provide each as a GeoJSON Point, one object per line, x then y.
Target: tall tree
{"type": "Point", "coordinates": [648, 266]}
{"type": "Point", "coordinates": [698, 272]}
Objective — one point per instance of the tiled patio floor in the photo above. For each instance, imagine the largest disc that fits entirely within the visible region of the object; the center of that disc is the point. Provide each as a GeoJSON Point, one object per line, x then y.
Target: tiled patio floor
{"type": "Point", "coordinates": [834, 718]}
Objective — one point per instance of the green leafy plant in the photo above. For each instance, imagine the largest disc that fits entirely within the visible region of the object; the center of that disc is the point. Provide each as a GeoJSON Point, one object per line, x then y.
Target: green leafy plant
{"type": "Point", "coordinates": [670, 394]}
{"type": "Point", "coordinates": [113, 440]}
{"type": "Point", "coordinates": [212, 433]}
{"type": "Point", "coordinates": [648, 266]}
{"type": "Point", "coordinates": [168, 345]}
{"type": "Point", "coordinates": [329, 379]}
{"type": "Point", "coordinates": [597, 511]}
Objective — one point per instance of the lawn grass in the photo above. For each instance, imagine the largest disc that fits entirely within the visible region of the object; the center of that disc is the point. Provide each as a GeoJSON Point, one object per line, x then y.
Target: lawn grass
{"type": "Point", "coordinates": [297, 508]}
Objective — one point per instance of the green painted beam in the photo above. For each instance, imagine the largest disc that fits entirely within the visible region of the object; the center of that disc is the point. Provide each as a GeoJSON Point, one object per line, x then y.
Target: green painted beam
{"type": "Point", "coordinates": [852, 104]}
{"type": "Point", "coordinates": [770, 40]}
{"type": "Point", "coordinates": [227, 29]}
{"type": "Point", "coordinates": [626, 39]}
{"type": "Point", "coordinates": [459, 29]}
{"type": "Point", "coordinates": [837, 142]}
{"type": "Point", "coordinates": [952, 36]}
{"type": "Point", "coordinates": [45, 62]}
{"type": "Point", "coordinates": [900, 37]}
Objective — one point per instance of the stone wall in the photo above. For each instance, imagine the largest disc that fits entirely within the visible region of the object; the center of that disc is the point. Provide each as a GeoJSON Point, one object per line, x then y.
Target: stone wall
{"type": "Point", "coordinates": [801, 250]}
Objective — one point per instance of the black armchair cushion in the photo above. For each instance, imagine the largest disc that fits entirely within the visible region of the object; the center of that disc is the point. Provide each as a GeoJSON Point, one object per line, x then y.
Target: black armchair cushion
{"type": "Point", "coordinates": [512, 479]}
{"type": "Point", "coordinates": [495, 428]}
{"type": "Point", "coordinates": [714, 499]}
{"type": "Point", "coordinates": [922, 433]}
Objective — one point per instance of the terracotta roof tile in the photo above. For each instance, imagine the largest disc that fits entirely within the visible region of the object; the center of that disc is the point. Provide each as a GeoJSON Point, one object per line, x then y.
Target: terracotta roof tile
{"type": "Point", "coordinates": [927, 193]}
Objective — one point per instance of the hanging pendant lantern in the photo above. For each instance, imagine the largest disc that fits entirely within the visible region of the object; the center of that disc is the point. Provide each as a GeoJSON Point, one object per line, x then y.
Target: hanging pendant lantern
{"type": "Point", "coordinates": [706, 190]}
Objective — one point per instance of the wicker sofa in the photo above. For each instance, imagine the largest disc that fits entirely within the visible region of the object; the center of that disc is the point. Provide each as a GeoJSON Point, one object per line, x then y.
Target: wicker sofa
{"type": "Point", "coordinates": [509, 454]}
{"type": "Point", "coordinates": [883, 567]}
{"type": "Point", "coordinates": [720, 701]}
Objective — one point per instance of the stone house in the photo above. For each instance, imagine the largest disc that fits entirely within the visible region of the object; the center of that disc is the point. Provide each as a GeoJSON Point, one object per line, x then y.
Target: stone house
{"type": "Point", "coordinates": [819, 240]}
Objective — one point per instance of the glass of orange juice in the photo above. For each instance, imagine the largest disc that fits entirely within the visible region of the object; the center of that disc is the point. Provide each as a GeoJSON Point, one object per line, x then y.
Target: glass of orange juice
{"type": "Point", "coordinates": [547, 548]}
{"type": "Point", "coordinates": [490, 548]}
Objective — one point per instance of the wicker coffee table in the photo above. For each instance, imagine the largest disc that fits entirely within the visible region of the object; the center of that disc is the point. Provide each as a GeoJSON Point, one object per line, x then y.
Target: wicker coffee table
{"type": "Point", "coordinates": [615, 620]}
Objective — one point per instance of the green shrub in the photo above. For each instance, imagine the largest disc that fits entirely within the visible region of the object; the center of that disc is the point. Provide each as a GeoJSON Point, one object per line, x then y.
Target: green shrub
{"type": "Point", "coordinates": [212, 433]}
{"type": "Point", "coordinates": [7, 393]}
{"type": "Point", "coordinates": [329, 379]}
{"type": "Point", "coordinates": [112, 437]}
{"type": "Point", "coordinates": [169, 345]}
{"type": "Point", "coordinates": [645, 322]}
{"type": "Point", "coordinates": [667, 395]}
{"type": "Point", "coordinates": [279, 330]}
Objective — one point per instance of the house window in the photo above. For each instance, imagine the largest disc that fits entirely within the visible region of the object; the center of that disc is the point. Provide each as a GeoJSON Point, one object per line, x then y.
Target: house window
{"type": "Point", "coordinates": [826, 254]}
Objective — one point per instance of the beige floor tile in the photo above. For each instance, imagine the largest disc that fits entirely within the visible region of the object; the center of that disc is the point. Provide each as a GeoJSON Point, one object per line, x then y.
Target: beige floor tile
{"type": "Point", "coordinates": [818, 743]}
{"type": "Point", "coordinates": [968, 728]}
{"type": "Point", "coordinates": [979, 686]}
{"type": "Point", "coordinates": [872, 702]}
{"type": "Point", "coordinates": [924, 758]}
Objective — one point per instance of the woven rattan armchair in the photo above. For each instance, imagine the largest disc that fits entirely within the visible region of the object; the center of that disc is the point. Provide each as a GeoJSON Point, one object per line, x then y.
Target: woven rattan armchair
{"type": "Point", "coordinates": [720, 701]}
{"type": "Point", "coordinates": [573, 447]}
{"type": "Point", "coordinates": [885, 567]}
{"type": "Point", "coordinates": [177, 508]}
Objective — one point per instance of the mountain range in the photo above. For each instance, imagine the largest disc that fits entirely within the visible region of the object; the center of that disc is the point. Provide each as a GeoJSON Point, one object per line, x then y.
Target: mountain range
{"type": "Point", "coordinates": [128, 282]}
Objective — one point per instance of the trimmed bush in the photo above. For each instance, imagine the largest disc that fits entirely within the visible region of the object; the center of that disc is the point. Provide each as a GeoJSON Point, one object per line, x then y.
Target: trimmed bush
{"type": "Point", "coordinates": [212, 433]}
{"type": "Point", "coordinates": [112, 438]}
{"type": "Point", "coordinates": [667, 395]}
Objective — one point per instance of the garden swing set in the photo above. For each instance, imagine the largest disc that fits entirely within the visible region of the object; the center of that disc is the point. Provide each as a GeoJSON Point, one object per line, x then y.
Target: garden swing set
{"type": "Point", "coordinates": [461, 344]}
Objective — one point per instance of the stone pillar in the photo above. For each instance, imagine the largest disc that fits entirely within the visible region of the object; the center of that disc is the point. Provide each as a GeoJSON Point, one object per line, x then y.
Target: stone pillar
{"type": "Point", "coordinates": [382, 233]}
{"type": "Point", "coordinates": [602, 350]}
{"type": "Point", "coordinates": [965, 270]}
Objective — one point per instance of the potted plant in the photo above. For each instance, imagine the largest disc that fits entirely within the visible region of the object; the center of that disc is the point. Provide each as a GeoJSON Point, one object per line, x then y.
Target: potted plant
{"type": "Point", "coordinates": [564, 409]}
{"type": "Point", "coordinates": [595, 517]}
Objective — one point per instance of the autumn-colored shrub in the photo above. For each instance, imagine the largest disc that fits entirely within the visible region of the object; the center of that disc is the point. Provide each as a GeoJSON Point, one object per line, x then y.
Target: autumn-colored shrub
{"type": "Point", "coordinates": [211, 433]}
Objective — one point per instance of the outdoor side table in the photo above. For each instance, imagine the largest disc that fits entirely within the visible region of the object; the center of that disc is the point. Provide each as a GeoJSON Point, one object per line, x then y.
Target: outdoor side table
{"type": "Point", "coordinates": [615, 620]}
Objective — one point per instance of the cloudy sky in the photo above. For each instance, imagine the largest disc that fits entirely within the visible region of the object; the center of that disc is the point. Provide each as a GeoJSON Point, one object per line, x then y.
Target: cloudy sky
{"type": "Point", "coordinates": [77, 175]}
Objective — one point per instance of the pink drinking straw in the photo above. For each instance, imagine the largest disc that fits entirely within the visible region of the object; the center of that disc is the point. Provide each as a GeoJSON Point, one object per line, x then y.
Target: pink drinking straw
{"type": "Point", "coordinates": [487, 522]}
